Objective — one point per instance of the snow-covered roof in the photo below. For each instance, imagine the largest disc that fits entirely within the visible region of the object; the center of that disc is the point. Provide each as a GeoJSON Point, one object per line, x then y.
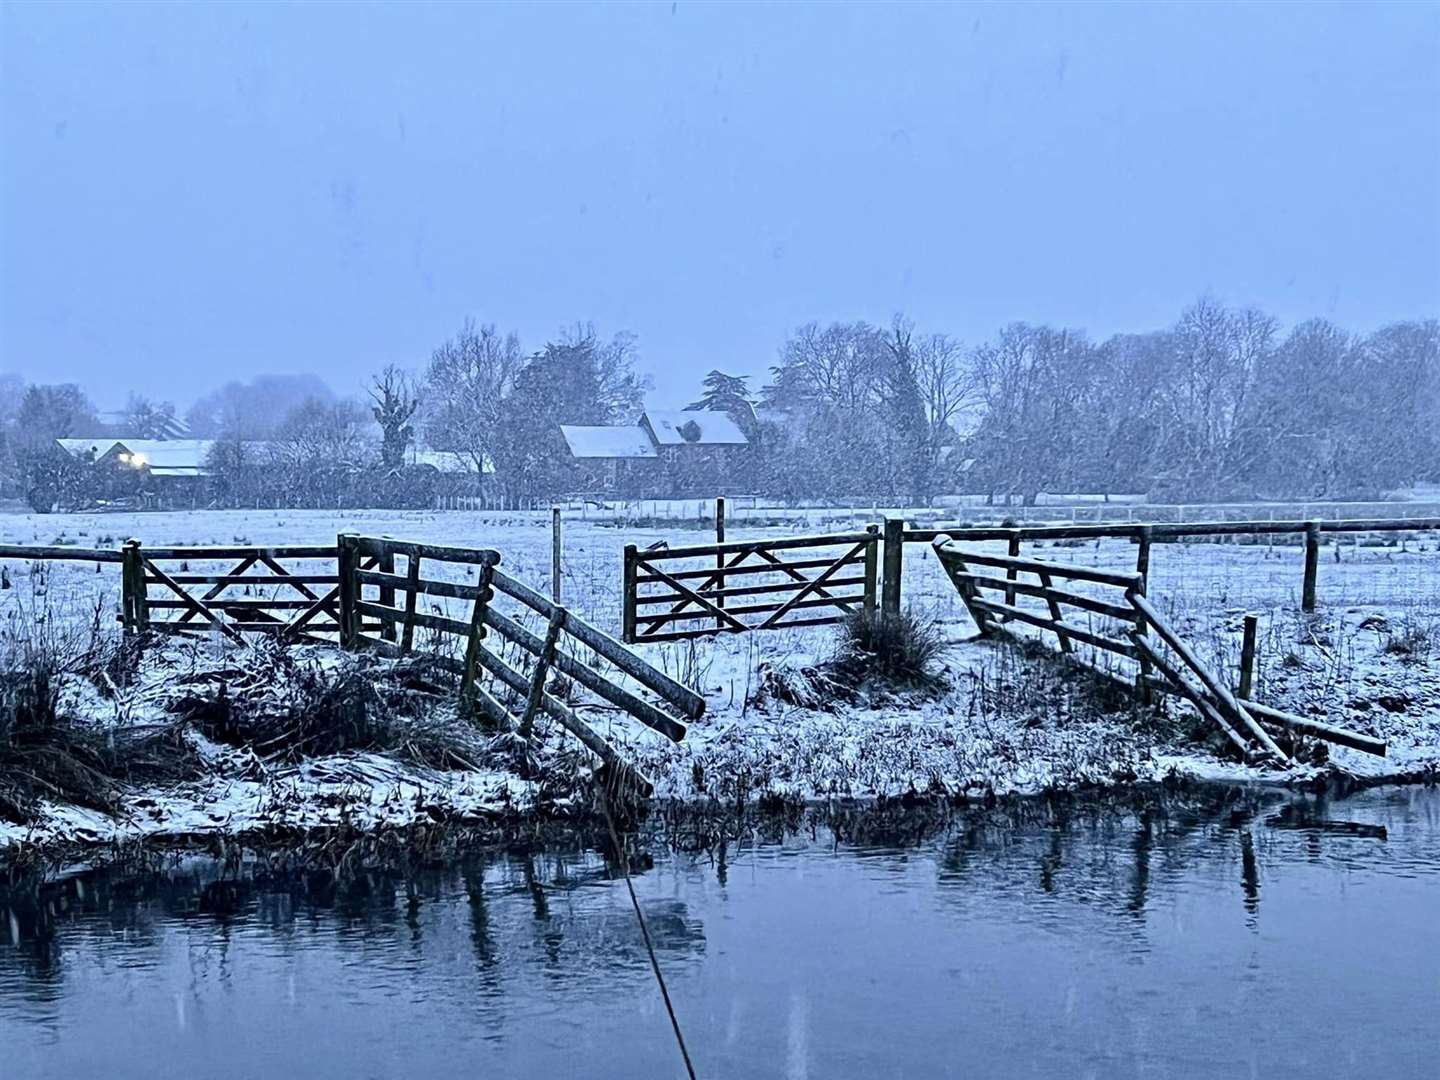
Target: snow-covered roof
{"type": "Point", "coordinates": [618, 441]}
{"type": "Point", "coordinates": [165, 457]}
{"type": "Point", "coordinates": [713, 428]}
{"type": "Point", "coordinates": [83, 447]}
{"type": "Point", "coordinates": [447, 461]}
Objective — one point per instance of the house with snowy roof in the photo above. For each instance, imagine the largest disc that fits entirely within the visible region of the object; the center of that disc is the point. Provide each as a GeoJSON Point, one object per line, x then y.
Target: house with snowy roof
{"type": "Point", "coordinates": [617, 459]}
{"type": "Point", "coordinates": [670, 453]}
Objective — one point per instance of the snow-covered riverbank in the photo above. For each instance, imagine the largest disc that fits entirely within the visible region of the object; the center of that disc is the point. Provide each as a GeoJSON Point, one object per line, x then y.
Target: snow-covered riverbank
{"type": "Point", "coordinates": [1007, 721]}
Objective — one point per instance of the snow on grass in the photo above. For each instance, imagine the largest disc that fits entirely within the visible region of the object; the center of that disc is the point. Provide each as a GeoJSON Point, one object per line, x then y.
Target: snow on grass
{"type": "Point", "coordinates": [1370, 659]}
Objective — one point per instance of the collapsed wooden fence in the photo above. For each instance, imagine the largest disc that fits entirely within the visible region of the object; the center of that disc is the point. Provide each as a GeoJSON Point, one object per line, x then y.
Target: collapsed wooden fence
{"type": "Point", "coordinates": [1133, 628]}
{"type": "Point", "coordinates": [397, 598]}
{"type": "Point", "coordinates": [753, 585]}
{"type": "Point", "coordinates": [1144, 536]}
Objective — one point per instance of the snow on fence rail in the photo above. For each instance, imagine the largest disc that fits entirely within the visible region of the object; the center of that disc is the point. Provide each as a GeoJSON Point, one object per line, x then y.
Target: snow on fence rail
{"type": "Point", "coordinates": [1165, 662]}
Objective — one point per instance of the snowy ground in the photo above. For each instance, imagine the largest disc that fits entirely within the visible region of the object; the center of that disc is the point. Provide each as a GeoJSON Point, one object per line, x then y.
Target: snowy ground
{"type": "Point", "coordinates": [1370, 659]}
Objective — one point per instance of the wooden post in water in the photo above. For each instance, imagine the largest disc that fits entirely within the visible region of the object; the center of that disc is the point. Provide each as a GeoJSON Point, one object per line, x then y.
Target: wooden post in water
{"type": "Point", "coordinates": [1247, 657]}
{"type": "Point", "coordinates": [720, 557]}
{"type": "Point", "coordinates": [555, 554]}
{"type": "Point", "coordinates": [893, 561]}
{"type": "Point", "coordinates": [1312, 565]}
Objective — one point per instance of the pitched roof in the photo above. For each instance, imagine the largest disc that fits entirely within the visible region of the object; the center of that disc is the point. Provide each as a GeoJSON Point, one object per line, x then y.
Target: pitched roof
{"type": "Point", "coordinates": [97, 445]}
{"type": "Point", "coordinates": [622, 441]}
{"type": "Point", "coordinates": [166, 457]}
{"type": "Point", "coordinates": [715, 428]}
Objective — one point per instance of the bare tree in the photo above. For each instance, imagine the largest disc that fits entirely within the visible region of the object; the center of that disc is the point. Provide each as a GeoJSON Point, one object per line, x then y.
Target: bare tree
{"type": "Point", "coordinates": [948, 386]}
{"type": "Point", "coordinates": [396, 400]}
{"type": "Point", "coordinates": [466, 383]}
{"type": "Point", "coordinates": [1217, 352]}
{"type": "Point", "coordinates": [147, 419]}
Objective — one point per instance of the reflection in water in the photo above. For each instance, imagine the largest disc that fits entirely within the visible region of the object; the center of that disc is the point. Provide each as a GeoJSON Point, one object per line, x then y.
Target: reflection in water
{"type": "Point", "coordinates": [1250, 872]}
{"type": "Point", "coordinates": [1044, 936]}
{"type": "Point", "coordinates": [1143, 839]}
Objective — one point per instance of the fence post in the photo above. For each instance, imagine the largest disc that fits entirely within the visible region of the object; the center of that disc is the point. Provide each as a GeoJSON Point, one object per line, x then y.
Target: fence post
{"type": "Point", "coordinates": [627, 600]}
{"type": "Point", "coordinates": [127, 591]}
{"type": "Point", "coordinates": [1142, 555]}
{"type": "Point", "coordinates": [872, 566]}
{"type": "Point", "coordinates": [1143, 536]}
{"type": "Point", "coordinates": [1247, 657]}
{"type": "Point", "coordinates": [541, 671]}
{"type": "Point", "coordinates": [720, 557]}
{"type": "Point", "coordinates": [894, 558]}
{"type": "Point", "coordinates": [412, 599]}
{"type": "Point", "coordinates": [387, 592]}
{"type": "Point", "coordinates": [1011, 573]}
{"type": "Point", "coordinates": [134, 600]}
{"type": "Point", "coordinates": [1312, 565]}
{"type": "Point", "coordinates": [484, 594]}
{"type": "Point", "coordinates": [345, 569]}
{"type": "Point", "coordinates": [555, 554]}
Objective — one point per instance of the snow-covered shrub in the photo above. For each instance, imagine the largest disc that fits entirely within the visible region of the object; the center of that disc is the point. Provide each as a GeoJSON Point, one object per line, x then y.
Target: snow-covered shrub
{"type": "Point", "coordinates": [899, 650]}
{"type": "Point", "coordinates": [48, 748]}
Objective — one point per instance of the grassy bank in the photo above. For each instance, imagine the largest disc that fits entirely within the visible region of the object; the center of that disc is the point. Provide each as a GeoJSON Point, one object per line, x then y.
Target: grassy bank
{"type": "Point", "coordinates": [100, 741]}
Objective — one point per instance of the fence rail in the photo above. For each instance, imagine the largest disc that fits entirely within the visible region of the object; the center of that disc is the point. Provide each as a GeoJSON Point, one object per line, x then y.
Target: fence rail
{"type": "Point", "coordinates": [694, 602]}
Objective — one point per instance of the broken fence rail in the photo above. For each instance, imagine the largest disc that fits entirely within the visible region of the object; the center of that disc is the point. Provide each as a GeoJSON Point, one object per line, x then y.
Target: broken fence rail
{"type": "Point", "coordinates": [1180, 671]}
{"type": "Point", "coordinates": [390, 600]}
{"type": "Point", "coordinates": [1144, 535]}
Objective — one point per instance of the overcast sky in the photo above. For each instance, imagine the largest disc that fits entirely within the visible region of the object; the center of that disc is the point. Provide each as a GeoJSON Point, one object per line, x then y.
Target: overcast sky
{"type": "Point", "coordinates": [197, 193]}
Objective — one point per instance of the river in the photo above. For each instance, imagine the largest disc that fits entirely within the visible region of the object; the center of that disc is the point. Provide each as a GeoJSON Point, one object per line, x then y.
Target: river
{"type": "Point", "coordinates": [1222, 934]}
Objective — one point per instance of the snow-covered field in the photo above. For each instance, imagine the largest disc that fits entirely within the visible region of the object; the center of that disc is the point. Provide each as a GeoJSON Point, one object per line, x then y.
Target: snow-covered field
{"type": "Point", "coordinates": [1370, 659]}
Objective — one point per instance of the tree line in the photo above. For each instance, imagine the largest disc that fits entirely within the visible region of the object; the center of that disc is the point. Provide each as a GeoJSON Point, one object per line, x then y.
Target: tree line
{"type": "Point", "coordinates": [1220, 405]}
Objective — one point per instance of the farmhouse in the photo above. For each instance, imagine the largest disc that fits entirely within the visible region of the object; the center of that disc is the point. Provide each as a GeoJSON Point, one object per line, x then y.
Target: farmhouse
{"type": "Point", "coordinates": [615, 459]}
{"type": "Point", "coordinates": [701, 451]}
{"type": "Point", "coordinates": [671, 452]}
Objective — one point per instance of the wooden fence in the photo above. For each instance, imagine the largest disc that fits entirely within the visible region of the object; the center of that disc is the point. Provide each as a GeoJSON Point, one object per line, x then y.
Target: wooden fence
{"type": "Point", "coordinates": [820, 579]}
{"type": "Point", "coordinates": [1134, 629]}
{"type": "Point", "coordinates": [380, 594]}
{"type": "Point", "coordinates": [1144, 536]}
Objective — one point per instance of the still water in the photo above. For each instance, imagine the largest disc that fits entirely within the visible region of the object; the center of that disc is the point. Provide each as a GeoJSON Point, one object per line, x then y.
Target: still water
{"type": "Point", "coordinates": [1220, 935]}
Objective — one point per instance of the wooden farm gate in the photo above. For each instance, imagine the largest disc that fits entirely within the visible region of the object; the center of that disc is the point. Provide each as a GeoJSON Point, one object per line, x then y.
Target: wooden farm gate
{"type": "Point", "coordinates": [751, 585]}
{"type": "Point", "coordinates": [232, 590]}
{"type": "Point", "coordinates": [1132, 629]}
